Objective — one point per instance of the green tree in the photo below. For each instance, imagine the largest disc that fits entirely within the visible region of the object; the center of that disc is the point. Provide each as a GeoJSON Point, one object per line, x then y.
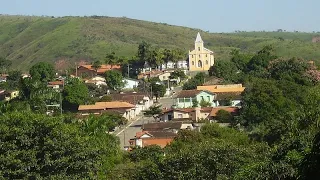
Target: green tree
{"type": "Point", "coordinates": [74, 93]}
{"type": "Point", "coordinates": [42, 71]}
{"type": "Point", "coordinates": [105, 98]}
{"type": "Point", "coordinates": [114, 79]}
{"type": "Point", "coordinates": [178, 74]}
{"type": "Point", "coordinates": [154, 110]}
{"type": "Point", "coordinates": [43, 147]}
{"type": "Point", "coordinates": [96, 65]}
{"type": "Point", "coordinates": [204, 103]}
{"type": "Point", "coordinates": [14, 79]}
{"type": "Point", "coordinates": [158, 89]}
{"type": "Point", "coordinates": [111, 59]}
{"type": "Point", "coordinates": [195, 102]}
{"type": "Point", "coordinates": [144, 51]}
{"type": "Point", "coordinates": [224, 116]}
{"type": "Point", "coordinates": [224, 69]}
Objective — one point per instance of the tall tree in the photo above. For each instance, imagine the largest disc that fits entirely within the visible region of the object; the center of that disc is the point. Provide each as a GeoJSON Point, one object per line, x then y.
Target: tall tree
{"type": "Point", "coordinates": [43, 147]}
{"type": "Point", "coordinates": [96, 65]}
{"type": "Point", "coordinates": [42, 71]}
{"type": "Point", "coordinates": [111, 59]}
{"type": "Point", "coordinates": [114, 79]}
{"type": "Point", "coordinates": [75, 93]}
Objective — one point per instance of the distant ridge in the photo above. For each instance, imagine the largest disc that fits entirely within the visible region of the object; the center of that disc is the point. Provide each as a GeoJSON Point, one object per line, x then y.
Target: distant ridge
{"type": "Point", "coordinates": [29, 39]}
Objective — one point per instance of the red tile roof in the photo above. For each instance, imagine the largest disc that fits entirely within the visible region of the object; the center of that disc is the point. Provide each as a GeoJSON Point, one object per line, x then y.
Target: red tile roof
{"type": "Point", "coordinates": [60, 83]}
{"type": "Point", "coordinates": [233, 110]}
{"type": "Point", "coordinates": [103, 68]}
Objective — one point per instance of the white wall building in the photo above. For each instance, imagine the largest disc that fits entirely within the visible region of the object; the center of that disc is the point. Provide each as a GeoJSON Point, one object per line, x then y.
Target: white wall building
{"type": "Point", "coordinates": [130, 83]}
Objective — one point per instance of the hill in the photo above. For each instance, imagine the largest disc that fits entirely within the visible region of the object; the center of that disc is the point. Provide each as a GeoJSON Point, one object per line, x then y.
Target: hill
{"type": "Point", "coordinates": [27, 39]}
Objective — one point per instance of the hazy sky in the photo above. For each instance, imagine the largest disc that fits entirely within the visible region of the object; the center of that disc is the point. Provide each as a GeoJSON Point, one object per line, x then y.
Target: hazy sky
{"type": "Point", "coordinates": [208, 15]}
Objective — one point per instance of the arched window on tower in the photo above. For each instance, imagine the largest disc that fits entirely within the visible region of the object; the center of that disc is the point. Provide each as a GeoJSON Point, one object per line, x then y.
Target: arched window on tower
{"type": "Point", "coordinates": [192, 63]}
{"type": "Point", "coordinates": [207, 62]}
{"type": "Point", "coordinates": [198, 48]}
{"type": "Point", "coordinates": [200, 64]}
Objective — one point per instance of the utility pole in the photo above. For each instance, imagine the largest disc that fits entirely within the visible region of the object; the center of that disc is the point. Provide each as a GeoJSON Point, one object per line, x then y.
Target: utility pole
{"type": "Point", "coordinates": [124, 138]}
{"type": "Point", "coordinates": [60, 103]}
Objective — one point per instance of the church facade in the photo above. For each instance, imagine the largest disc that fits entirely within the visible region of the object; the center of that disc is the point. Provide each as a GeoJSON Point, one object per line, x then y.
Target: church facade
{"type": "Point", "coordinates": [201, 58]}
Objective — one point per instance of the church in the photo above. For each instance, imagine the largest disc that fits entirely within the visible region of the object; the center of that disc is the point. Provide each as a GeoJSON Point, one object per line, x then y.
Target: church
{"type": "Point", "coordinates": [201, 58]}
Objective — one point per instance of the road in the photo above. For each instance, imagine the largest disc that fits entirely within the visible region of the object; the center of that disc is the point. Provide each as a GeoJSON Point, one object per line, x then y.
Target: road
{"type": "Point", "coordinates": [132, 128]}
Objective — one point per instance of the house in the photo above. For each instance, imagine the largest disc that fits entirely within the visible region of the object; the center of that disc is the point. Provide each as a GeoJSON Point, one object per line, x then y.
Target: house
{"type": "Point", "coordinates": [8, 95]}
{"type": "Point", "coordinates": [127, 109]}
{"type": "Point", "coordinates": [186, 97]}
{"type": "Point", "coordinates": [130, 83]}
{"type": "Point", "coordinates": [147, 138]}
{"type": "Point", "coordinates": [182, 64]}
{"type": "Point", "coordinates": [149, 74]}
{"type": "Point", "coordinates": [172, 126]}
{"type": "Point", "coordinates": [164, 76]}
{"type": "Point", "coordinates": [56, 84]}
{"type": "Point", "coordinates": [3, 77]}
{"type": "Point", "coordinates": [226, 95]}
{"type": "Point", "coordinates": [99, 81]}
{"type": "Point", "coordinates": [201, 58]}
{"type": "Point", "coordinates": [141, 100]}
{"type": "Point", "coordinates": [194, 114]}
{"type": "Point", "coordinates": [89, 71]}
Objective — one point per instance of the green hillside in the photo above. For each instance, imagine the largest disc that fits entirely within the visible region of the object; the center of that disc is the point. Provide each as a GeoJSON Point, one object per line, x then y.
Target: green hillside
{"type": "Point", "coordinates": [26, 40]}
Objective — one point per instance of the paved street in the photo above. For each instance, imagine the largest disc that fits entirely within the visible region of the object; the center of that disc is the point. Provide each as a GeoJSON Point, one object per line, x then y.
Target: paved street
{"type": "Point", "coordinates": [132, 128]}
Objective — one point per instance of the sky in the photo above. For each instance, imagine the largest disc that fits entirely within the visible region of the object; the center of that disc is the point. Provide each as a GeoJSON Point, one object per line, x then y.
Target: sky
{"type": "Point", "coordinates": [208, 15]}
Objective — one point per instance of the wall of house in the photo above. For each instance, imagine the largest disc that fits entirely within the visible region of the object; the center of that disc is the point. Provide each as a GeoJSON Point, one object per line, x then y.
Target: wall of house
{"type": "Point", "coordinates": [164, 76]}
{"type": "Point", "coordinates": [156, 141]}
{"type": "Point", "coordinates": [205, 96]}
{"type": "Point", "coordinates": [130, 84]}
{"type": "Point", "coordinates": [179, 114]}
{"type": "Point", "coordinates": [84, 72]}
{"type": "Point", "coordinates": [167, 116]}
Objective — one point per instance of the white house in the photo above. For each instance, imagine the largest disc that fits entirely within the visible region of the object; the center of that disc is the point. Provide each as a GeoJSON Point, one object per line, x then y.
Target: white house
{"type": "Point", "coordinates": [164, 76]}
{"type": "Point", "coordinates": [182, 64]}
{"type": "Point", "coordinates": [130, 83]}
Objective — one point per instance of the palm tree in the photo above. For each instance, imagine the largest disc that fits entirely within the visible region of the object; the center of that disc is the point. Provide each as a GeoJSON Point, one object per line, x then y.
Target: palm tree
{"type": "Point", "coordinates": [111, 59]}
{"type": "Point", "coordinates": [96, 65]}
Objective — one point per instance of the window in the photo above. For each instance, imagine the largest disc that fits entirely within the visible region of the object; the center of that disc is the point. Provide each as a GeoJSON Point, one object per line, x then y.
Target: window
{"type": "Point", "coordinates": [206, 55]}
{"type": "Point", "coordinates": [202, 99]}
{"type": "Point", "coordinates": [200, 63]}
{"type": "Point", "coordinates": [198, 48]}
{"type": "Point", "coordinates": [207, 62]}
{"type": "Point", "coordinates": [187, 100]}
{"type": "Point", "coordinates": [191, 56]}
{"type": "Point", "coordinates": [208, 98]}
{"type": "Point", "coordinates": [179, 115]}
{"type": "Point", "coordinates": [199, 56]}
{"type": "Point", "coordinates": [181, 100]}
{"type": "Point", "coordinates": [193, 63]}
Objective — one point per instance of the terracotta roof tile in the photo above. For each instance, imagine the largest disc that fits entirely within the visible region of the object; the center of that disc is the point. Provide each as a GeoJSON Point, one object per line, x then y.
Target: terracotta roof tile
{"type": "Point", "coordinates": [233, 110]}
{"type": "Point", "coordinates": [60, 83]}
{"type": "Point", "coordinates": [188, 93]}
{"type": "Point", "coordinates": [222, 88]}
{"type": "Point", "coordinates": [161, 126]}
{"type": "Point", "coordinates": [115, 104]}
{"type": "Point", "coordinates": [90, 107]}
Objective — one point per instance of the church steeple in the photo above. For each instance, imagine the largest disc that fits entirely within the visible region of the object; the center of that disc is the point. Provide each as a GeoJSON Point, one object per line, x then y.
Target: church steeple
{"type": "Point", "coordinates": [198, 39]}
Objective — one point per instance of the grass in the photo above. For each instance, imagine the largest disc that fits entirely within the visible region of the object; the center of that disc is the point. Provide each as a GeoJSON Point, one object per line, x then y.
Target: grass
{"type": "Point", "coordinates": [26, 39]}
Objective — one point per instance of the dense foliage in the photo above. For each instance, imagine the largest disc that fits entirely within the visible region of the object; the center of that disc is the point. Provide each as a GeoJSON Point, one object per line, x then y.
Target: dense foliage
{"type": "Point", "coordinates": [41, 147]}
{"type": "Point", "coordinates": [114, 79]}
